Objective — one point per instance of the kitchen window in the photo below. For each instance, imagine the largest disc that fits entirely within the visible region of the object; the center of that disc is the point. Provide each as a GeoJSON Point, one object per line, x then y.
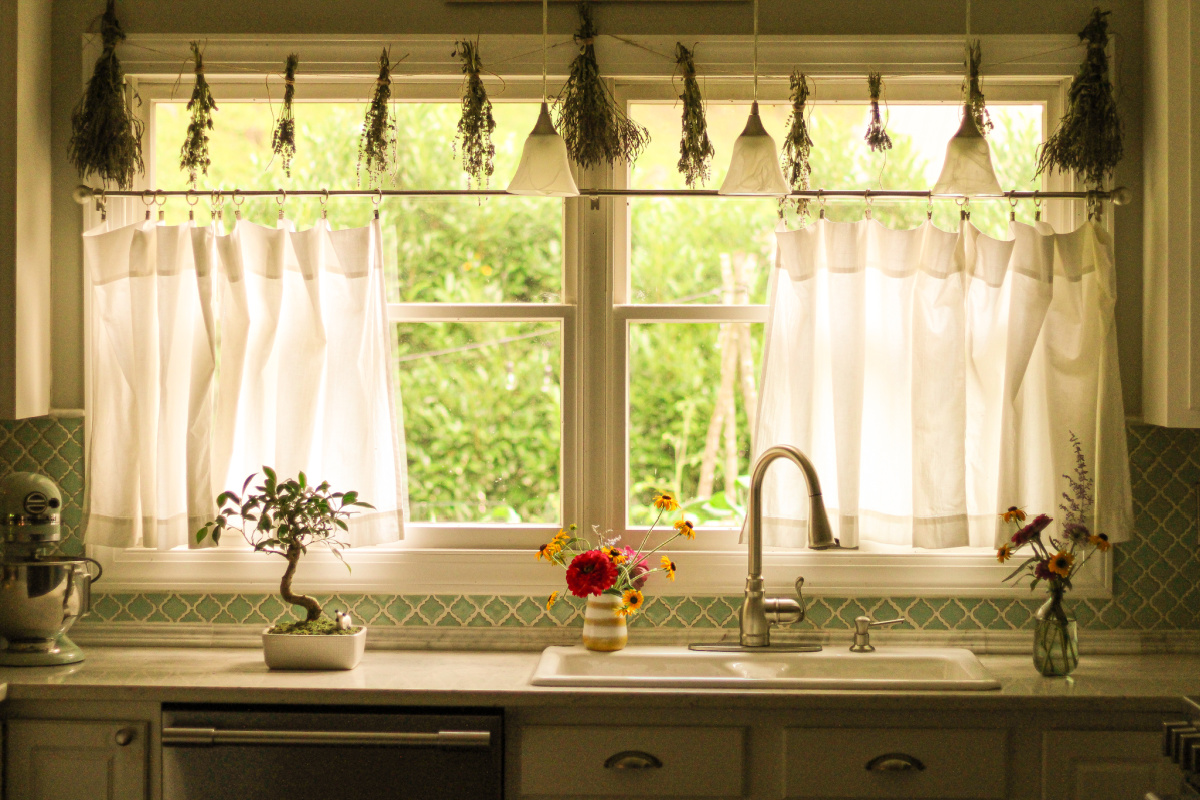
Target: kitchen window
{"type": "Point", "coordinates": [600, 324]}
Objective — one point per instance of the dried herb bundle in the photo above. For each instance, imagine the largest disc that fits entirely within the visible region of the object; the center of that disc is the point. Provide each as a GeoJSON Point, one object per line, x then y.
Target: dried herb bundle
{"type": "Point", "coordinates": [1088, 141]}
{"type": "Point", "coordinates": [193, 157]}
{"type": "Point", "coordinates": [283, 140]}
{"type": "Point", "coordinates": [797, 144]}
{"type": "Point", "coordinates": [876, 137]}
{"type": "Point", "coordinates": [377, 142]}
{"type": "Point", "coordinates": [695, 149]}
{"type": "Point", "coordinates": [106, 139]}
{"type": "Point", "coordinates": [594, 128]}
{"type": "Point", "coordinates": [975, 101]}
{"type": "Point", "coordinates": [476, 124]}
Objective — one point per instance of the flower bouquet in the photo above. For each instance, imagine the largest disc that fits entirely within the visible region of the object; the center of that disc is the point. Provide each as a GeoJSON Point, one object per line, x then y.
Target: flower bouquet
{"type": "Point", "coordinates": [1055, 560]}
{"type": "Point", "coordinates": [611, 577]}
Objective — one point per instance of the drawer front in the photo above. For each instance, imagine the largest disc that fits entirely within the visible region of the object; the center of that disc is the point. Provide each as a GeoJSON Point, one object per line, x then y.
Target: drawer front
{"type": "Point", "coordinates": [945, 763]}
{"type": "Point", "coordinates": [570, 760]}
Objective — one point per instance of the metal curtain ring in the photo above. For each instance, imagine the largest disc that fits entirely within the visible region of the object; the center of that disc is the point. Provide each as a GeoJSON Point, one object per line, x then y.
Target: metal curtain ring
{"type": "Point", "coordinates": [1012, 206]}
{"type": "Point", "coordinates": [280, 200]}
{"type": "Point", "coordinates": [1037, 207]}
{"type": "Point", "coordinates": [821, 201]}
{"type": "Point", "coordinates": [237, 204]}
{"type": "Point", "coordinates": [376, 200]}
{"type": "Point", "coordinates": [324, 203]}
{"type": "Point", "coordinates": [160, 198]}
{"type": "Point", "coordinates": [868, 200]}
{"type": "Point", "coordinates": [929, 205]}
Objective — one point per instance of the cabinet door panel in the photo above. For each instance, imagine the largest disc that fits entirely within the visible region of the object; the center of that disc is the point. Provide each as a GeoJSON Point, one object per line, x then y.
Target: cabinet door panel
{"type": "Point", "coordinates": [75, 760]}
{"type": "Point", "coordinates": [1104, 765]}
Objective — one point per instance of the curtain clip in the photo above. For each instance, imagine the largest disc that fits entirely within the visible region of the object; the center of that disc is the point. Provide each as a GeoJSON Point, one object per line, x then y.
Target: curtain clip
{"type": "Point", "coordinates": [964, 208]}
{"type": "Point", "coordinates": [324, 204]}
{"type": "Point", "coordinates": [101, 204]}
{"type": "Point", "coordinates": [217, 205]}
{"type": "Point", "coordinates": [929, 205]}
{"type": "Point", "coordinates": [376, 200]}
{"type": "Point", "coordinates": [280, 199]}
{"type": "Point", "coordinates": [821, 202]}
{"type": "Point", "coordinates": [148, 199]}
{"type": "Point", "coordinates": [867, 198]}
{"type": "Point", "coordinates": [237, 205]}
{"type": "Point", "coordinates": [191, 199]}
{"type": "Point", "coordinates": [1037, 207]}
{"type": "Point", "coordinates": [1012, 207]}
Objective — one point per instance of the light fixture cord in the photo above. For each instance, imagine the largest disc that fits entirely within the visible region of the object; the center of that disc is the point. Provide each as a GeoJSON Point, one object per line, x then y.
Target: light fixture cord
{"type": "Point", "coordinates": [545, 6]}
{"type": "Point", "coordinates": [756, 50]}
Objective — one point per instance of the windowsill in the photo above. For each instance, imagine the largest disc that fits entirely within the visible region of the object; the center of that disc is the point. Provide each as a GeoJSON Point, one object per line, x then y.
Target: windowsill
{"type": "Point", "coordinates": [401, 569]}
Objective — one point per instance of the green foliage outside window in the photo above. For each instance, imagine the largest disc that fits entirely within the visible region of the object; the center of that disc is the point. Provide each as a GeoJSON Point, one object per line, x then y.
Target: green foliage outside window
{"type": "Point", "coordinates": [481, 401]}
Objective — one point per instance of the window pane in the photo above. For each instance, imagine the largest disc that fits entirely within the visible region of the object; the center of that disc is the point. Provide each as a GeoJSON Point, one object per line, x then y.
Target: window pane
{"type": "Point", "coordinates": [680, 245]}
{"type": "Point", "coordinates": [482, 420]}
{"type": "Point", "coordinates": [690, 387]}
{"type": "Point", "coordinates": [501, 249]}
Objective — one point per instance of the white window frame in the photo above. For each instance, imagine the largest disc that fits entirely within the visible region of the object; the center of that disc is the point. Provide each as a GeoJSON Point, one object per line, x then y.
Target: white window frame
{"type": "Point", "coordinates": [595, 312]}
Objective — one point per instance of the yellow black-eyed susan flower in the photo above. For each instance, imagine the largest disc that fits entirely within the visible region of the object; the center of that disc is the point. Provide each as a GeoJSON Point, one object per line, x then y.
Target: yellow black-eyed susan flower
{"type": "Point", "coordinates": [1013, 514]}
{"type": "Point", "coordinates": [551, 600]}
{"type": "Point", "coordinates": [668, 566]}
{"type": "Point", "coordinates": [665, 501]}
{"type": "Point", "coordinates": [1060, 564]}
{"type": "Point", "coordinates": [632, 601]}
{"type": "Point", "coordinates": [686, 529]}
{"type": "Point", "coordinates": [1004, 553]}
{"type": "Point", "coordinates": [549, 550]}
{"type": "Point", "coordinates": [614, 553]}
{"type": "Point", "coordinates": [1100, 542]}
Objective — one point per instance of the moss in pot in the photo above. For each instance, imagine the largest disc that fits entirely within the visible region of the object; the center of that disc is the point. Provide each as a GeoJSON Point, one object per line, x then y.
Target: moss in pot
{"type": "Point", "coordinates": [285, 518]}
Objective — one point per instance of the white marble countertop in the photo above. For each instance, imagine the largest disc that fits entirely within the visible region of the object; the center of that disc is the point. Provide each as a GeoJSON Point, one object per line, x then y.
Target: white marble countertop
{"type": "Point", "coordinates": [501, 679]}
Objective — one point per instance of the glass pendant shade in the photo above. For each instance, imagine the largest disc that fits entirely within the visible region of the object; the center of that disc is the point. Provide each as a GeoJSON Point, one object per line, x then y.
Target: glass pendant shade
{"type": "Point", "coordinates": [754, 168]}
{"type": "Point", "coordinates": [968, 167]}
{"type": "Point", "coordinates": [544, 170]}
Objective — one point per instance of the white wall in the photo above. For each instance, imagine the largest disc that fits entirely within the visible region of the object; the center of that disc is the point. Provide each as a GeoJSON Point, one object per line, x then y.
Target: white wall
{"type": "Point", "coordinates": [73, 18]}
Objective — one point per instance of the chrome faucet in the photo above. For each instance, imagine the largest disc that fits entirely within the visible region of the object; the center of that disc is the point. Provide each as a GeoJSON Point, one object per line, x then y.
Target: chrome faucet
{"type": "Point", "coordinates": [759, 612]}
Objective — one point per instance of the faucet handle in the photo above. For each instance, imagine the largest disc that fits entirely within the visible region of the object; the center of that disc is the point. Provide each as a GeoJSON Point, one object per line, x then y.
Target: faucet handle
{"type": "Point", "coordinates": [785, 610]}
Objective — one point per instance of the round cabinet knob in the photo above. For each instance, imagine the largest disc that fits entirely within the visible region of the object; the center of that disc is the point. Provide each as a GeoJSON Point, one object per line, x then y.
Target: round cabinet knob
{"type": "Point", "coordinates": [124, 736]}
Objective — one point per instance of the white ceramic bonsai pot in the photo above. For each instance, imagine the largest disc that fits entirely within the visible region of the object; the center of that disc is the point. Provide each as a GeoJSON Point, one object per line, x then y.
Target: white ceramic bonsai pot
{"type": "Point", "coordinates": [293, 651]}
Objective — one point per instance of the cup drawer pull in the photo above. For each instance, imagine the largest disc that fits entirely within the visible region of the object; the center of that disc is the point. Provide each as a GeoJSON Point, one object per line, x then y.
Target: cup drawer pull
{"type": "Point", "coordinates": [632, 759]}
{"type": "Point", "coordinates": [895, 762]}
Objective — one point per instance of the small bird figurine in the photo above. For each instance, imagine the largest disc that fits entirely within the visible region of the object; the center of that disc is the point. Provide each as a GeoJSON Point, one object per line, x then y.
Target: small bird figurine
{"type": "Point", "coordinates": [341, 620]}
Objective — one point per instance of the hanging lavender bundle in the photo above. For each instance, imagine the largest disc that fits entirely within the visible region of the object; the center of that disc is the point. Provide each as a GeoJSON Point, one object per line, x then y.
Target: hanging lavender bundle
{"type": "Point", "coordinates": [476, 124]}
{"type": "Point", "coordinates": [797, 144]}
{"type": "Point", "coordinates": [283, 140]}
{"type": "Point", "coordinates": [1088, 141]}
{"type": "Point", "coordinates": [876, 137]}
{"type": "Point", "coordinates": [695, 149]}
{"type": "Point", "coordinates": [193, 157]}
{"type": "Point", "coordinates": [106, 138]}
{"type": "Point", "coordinates": [975, 101]}
{"type": "Point", "coordinates": [377, 143]}
{"type": "Point", "coordinates": [594, 128]}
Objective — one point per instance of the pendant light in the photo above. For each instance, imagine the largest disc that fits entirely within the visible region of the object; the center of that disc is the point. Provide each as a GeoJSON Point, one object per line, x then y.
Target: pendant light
{"type": "Point", "coordinates": [754, 168]}
{"type": "Point", "coordinates": [544, 170]}
{"type": "Point", "coordinates": [968, 168]}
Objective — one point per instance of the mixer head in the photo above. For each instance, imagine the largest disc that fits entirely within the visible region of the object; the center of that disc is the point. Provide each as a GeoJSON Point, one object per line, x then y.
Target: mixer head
{"type": "Point", "coordinates": [30, 509]}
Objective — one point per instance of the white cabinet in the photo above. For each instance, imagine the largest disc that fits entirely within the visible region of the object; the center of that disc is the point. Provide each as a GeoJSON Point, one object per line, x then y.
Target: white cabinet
{"type": "Point", "coordinates": [1105, 765]}
{"type": "Point", "coordinates": [76, 760]}
{"type": "Point", "coordinates": [1171, 245]}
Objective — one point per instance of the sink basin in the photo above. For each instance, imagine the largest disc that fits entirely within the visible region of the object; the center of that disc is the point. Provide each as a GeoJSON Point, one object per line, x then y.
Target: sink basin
{"type": "Point", "coordinates": [887, 669]}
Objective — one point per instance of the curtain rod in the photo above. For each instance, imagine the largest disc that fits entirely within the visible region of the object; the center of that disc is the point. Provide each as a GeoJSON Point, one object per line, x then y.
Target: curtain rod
{"type": "Point", "coordinates": [83, 194]}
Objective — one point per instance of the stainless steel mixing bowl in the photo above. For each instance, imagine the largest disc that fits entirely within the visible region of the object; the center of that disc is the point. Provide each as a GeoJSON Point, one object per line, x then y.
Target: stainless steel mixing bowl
{"type": "Point", "coordinates": [39, 600]}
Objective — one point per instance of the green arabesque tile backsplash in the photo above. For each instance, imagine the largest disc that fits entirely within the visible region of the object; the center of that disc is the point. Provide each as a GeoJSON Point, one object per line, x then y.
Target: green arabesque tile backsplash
{"type": "Point", "coordinates": [1156, 580]}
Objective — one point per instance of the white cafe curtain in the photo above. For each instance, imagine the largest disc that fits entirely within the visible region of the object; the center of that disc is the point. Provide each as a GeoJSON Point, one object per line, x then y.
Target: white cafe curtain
{"type": "Point", "coordinates": [934, 378]}
{"type": "Point", "coordinates": [286, 354]}
{"type": "Point", "coordinates": [151, 356]}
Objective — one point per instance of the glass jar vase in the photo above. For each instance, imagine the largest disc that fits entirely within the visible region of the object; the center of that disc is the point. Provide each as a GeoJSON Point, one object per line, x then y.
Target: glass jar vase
{"type": "Point", "coordinates": [1056, 640]}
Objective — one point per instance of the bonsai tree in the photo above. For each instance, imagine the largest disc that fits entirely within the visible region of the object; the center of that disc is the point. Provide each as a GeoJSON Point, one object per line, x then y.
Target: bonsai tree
{"type": "Point", "coordinates": [285, 518]}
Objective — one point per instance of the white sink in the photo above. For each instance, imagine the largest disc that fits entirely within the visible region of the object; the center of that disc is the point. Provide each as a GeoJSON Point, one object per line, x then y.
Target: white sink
{"type": "Point", "coordinates": [887, 669]}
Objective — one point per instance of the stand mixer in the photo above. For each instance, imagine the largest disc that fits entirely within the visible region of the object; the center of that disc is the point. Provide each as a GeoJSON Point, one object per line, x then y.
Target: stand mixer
{"type": "Point", "coordinates": [42, 593]}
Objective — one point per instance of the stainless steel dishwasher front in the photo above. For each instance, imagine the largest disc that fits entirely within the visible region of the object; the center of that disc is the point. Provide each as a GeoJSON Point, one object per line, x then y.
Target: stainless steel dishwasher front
{"type": "Point", "coordinates": [322, 753]}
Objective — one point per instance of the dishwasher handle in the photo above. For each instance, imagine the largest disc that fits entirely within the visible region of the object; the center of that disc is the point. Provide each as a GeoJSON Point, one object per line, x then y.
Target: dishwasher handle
{"type": "Point", "coordinates": [212, 737]}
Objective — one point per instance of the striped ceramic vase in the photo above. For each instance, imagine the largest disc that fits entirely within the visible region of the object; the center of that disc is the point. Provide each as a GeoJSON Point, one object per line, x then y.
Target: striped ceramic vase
{"type": "Point", "coordinates": [603, 628]}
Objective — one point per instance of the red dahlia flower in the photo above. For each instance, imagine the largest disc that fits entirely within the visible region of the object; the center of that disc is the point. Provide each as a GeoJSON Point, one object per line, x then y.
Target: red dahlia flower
{"type": "Point", "coordinates": [591, 572]}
